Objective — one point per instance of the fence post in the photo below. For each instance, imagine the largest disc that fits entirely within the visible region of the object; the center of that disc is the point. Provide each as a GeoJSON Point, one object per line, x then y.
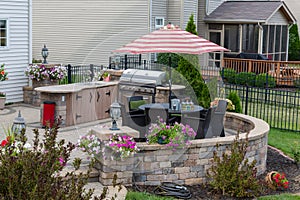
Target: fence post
{"type": "Point", "coordinates": [69, 73]}
{"type": "Point", "coordinates": [140, 59]}
{"type": "Point", "coordinates": [267, 86]}
{"type": "Point", "coordinates": [145, 66]}
{"type": "Point", "coordinates": [92, 72]}
{"type": "Point", "coordinates": [247, 96]}
{"type": "Point", "coordinates": [126, 62]}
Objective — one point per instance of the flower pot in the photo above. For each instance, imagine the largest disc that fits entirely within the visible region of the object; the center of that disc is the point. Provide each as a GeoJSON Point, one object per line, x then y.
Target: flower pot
{"type": "Point", "coordinates": [2, 102]}
{"type": "Point", "coordinates": [269, 180]}
{"type": "Point", "coordinates": [106, 79]}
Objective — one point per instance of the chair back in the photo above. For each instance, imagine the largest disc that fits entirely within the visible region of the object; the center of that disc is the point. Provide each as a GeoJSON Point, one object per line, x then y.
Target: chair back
{"type": "Point", "coordinates": [134, 102]}
{"type": "Point", "coordinates": [134, 121]}
{"type": "Point", "coordinates": [152, 114]}
{"type": "Point", "coordinates": [198, 124]}
{"type": "Point", "coordinates": [216, 125]}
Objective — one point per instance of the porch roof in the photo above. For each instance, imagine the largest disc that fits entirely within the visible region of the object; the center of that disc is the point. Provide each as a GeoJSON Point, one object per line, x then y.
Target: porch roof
{"type": "Point", "coordinates": [249, 12]}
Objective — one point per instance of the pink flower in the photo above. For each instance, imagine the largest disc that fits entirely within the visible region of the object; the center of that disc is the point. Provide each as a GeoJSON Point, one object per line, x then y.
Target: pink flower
{"type": "Point", "coordinates": [62, 161]}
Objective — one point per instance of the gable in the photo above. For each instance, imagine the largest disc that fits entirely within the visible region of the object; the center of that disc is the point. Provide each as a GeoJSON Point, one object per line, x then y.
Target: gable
{"type": "Point", "coordinates": [278, 18]}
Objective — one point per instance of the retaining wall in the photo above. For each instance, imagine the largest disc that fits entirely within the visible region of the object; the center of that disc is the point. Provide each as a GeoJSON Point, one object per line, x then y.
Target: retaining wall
{"type": "Point", "coordinates": [156, 163]}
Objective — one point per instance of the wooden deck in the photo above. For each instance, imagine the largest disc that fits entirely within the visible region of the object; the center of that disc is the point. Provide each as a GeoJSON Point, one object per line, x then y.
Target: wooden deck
{"type": "Point", "coordinates": [285, 73]}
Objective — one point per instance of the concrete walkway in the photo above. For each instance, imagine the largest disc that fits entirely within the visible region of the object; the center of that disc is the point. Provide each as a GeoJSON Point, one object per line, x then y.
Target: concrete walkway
{"type": "Point", "coordinates": [31, 115]}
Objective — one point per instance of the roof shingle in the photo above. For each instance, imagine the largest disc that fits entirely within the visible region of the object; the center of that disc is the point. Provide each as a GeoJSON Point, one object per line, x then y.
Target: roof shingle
{"type": "Point", "coordinates": [258, 11]}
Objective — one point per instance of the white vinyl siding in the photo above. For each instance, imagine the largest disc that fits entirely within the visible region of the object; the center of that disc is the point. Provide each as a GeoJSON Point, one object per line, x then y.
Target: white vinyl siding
{"type": "Point", "coordinates": [278, 18]}
{"type": "Point", "coordinates": [190, 7]}
{"type": "Point", "coordinates": [80, 32]}
{"type": "Point", "coordinates": [212, 5]}
{"type": "Point", "coordinates": [16, 55]}
{"type": "Point", "coordinates": [159, 10]}
{"type": "Point", "coordinates": [174, 12]}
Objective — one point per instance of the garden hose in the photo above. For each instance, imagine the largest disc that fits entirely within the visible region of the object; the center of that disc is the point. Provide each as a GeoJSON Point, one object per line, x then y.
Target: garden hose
{"type": "Point", "coordinates": [173, 190]}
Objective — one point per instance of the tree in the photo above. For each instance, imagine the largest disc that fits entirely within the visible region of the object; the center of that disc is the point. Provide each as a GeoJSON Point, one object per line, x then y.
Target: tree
{"type": "Point", "coordinates": [188, 66]}
{"type": "Point", "coordinates": [294, 43]}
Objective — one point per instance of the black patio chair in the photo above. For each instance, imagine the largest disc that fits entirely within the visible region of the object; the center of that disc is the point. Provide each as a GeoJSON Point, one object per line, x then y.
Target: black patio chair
{"type": "Point", "coordinates": [134, 121]}
{"type": "Point", "coordinates": [134, 102]}
{"type": "Point", "coordinates": [216, 125]}
{"type": "Point", "coordinates": [152, 114]}
{"type": "Point", "coordinates": [199, 124]}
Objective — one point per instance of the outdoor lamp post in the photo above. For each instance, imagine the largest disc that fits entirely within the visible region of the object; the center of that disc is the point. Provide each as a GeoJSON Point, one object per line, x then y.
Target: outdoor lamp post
{"type": "Point", "coordinates": [115, 113]}
{"type": "Point", "coordinates": [19, 124]}
{"type": "Point", "coordinates": [45, 54]}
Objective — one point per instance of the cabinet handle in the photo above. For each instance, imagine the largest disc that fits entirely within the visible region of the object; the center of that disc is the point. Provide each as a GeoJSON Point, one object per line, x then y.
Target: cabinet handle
{"type": "Point", "coordinates": [77, 116]}
{"type": "Point", "coordinates": [98, 96]}
{"type": "Point", "coordinates": [91, 96]}
{"type": "Point", "coordinates": [108, 93]}
{"type": "Point", "coordinates": [78, 97]}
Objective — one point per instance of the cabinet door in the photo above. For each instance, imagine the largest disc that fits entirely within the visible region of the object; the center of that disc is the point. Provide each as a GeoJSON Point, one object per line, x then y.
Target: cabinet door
{"type": "Point", "coordinates": [84, 106]}
{"type": "Point", "coordinates": [103, 101]}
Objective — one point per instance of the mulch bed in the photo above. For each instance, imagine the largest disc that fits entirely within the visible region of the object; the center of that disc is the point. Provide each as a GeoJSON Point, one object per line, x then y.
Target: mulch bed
{"type": "Point", "coordinates": [276, 161]}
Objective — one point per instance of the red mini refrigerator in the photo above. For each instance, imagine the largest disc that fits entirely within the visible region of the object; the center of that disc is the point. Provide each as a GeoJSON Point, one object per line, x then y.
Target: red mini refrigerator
{"type": "Point", "coordinates": [48, 113]}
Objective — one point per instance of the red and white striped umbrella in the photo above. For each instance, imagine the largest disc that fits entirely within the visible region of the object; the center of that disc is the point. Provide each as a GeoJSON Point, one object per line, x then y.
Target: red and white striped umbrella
{"type": "Point", "coordinates": [170, 39]}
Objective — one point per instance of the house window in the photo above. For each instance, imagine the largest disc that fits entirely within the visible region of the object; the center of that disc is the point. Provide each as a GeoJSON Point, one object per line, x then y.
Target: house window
{"type": "Point", "coordinates": [232, 37]}
{"type": "Point", "coordinates": [3, 33]}
{"type": "Point", "coordinates": [159, 22]}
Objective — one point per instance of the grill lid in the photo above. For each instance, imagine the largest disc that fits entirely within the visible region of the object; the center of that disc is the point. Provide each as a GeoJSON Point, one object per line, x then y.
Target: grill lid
{"type": "Point", "coordinates": [143, 77]}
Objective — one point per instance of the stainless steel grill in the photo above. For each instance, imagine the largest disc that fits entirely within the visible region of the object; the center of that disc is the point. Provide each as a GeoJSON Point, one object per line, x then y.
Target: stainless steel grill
{"type": "Point", "coordinates": [157, 78]}
{"type": "Point", "coordinates": [141, 82]}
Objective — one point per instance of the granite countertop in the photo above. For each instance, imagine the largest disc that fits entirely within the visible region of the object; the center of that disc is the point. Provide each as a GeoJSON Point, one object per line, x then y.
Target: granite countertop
{"type": "Point", "coordinates": [74, 87]}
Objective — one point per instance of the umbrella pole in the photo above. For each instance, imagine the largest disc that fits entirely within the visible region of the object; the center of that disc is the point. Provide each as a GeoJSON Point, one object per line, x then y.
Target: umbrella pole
{"type": "Point", "coordinates": [170, 81]}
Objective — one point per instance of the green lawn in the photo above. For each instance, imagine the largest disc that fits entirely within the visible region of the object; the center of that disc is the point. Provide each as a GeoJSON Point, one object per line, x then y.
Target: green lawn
{"type": "Point", "coordinates": [280, 197]}
{"type": "Point", "coordinates": [284, 140]}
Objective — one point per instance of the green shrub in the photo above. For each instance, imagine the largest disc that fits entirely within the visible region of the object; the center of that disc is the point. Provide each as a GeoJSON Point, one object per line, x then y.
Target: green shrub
{"type": "Point", "coordinates": [236, 101]}
{"type": "Point", "coordinates": [261, 81]}
{"type": "Point", "coordinates": [228, 75]}
{"type": "Point", "coordinates": [245, 78]}
{"type": "Point", "coordinates": [34, 173]}
{"type": "Point", "coordinates": [232, 174]}
{"type": "Point", "coordinates": [295, 150]}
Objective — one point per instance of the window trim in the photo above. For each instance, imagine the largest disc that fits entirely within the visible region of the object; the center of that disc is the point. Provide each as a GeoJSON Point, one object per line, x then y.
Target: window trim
{"type": "Point", "coordinates": [7, 34]}
{"type": "Point", "coordinates": [159, 26]}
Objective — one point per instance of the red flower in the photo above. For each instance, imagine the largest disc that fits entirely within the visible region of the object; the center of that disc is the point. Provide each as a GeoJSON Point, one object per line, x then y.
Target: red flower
{"type": "Point", "coordinates": [2, 72]}
{"type": "Point", "coordinates": [4, 143]}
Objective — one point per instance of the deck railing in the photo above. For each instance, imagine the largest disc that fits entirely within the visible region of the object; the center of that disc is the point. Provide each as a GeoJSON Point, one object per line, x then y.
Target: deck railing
{"type": "Point", "coordinates": [285, 73]}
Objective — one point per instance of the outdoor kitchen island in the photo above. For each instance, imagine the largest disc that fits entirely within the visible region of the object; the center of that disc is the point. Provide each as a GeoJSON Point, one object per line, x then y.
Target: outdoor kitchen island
{"type": "Point", "coordinates": [80, 102]}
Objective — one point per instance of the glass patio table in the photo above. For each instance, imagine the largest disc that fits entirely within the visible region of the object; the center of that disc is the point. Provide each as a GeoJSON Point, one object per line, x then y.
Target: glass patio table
{"type": "Point", "coordinates": [197, 108]}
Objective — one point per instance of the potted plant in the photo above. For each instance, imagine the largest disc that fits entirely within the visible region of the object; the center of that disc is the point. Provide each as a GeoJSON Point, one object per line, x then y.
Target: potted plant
{"type": "Point", "coordinates": [106, 76]}
{"type": "Point", "coordinates": [2, 100]}
{"type": "Point", "coordinates": [42, 75]}
{"type": "Point", "coordinates": [276, 180]}
{"type": "Point", "coordinates": [176, 136]}
{"type": "Point", "coordinates": [121, 146]}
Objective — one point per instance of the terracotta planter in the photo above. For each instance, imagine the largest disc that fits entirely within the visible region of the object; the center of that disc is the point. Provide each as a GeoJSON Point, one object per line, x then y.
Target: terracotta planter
{"type": "Point", "coordinates": [2, 102]}
{"type": "Point", "coordinates": [269, 180]}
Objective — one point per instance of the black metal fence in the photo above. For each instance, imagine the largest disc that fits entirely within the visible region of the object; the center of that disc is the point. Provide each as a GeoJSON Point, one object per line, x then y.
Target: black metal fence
{"type": "Point", "coordinates": [81, 73]}
{"type": "Point", "coordinates": [133, 62]}
{"type": "Point", "coordinates": [280, 108]}
{"type": "Point", "coordinates": [260, 97]}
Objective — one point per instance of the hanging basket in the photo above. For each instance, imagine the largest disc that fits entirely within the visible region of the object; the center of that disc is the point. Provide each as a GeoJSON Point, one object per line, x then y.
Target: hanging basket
{"type": "Point", "coordinates": [269, 180]}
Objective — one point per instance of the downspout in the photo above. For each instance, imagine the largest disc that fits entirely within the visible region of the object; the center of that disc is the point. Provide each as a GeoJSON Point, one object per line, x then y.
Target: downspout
{"type": "Point", "coordinates": [260, 36]}
{"type": "Point", "coordinates": [30, 31]}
